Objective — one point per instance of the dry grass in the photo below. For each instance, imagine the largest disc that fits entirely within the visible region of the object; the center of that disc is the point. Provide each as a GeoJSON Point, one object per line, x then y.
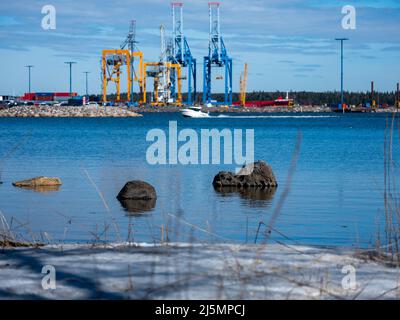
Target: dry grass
{"type": "Point", "coordinates": [8, 238]}
{"type": "Point", "coordinates": [391, 248]}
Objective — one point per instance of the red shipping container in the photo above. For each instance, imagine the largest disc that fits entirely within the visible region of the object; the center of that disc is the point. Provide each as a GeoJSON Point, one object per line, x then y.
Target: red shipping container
{"type": "Point", "coordinates": [28, 96]}
{"type": "Point", "coordinates": [61, 94]}
{"type": "Point", "coordinates": [44, 98]}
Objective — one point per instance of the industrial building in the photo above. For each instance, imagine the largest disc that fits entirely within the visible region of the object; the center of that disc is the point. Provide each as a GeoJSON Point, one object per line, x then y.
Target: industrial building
{"type": "Point", "coordinates": [6, 98]}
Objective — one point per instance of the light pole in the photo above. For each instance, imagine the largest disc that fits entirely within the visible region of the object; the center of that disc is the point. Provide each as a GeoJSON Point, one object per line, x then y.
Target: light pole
{"type": "Point", "coordinates": [87, 82]}
{"type": "Point", "coordinates": [70, 76]}
{"type": "Point", "coordinates": [29, 77]}
{"type": "Point", "coordinates": [341, 72]}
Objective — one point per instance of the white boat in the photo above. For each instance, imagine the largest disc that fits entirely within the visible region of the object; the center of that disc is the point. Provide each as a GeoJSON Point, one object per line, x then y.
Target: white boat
{"type": "Point", "coordinates": [194, 112]}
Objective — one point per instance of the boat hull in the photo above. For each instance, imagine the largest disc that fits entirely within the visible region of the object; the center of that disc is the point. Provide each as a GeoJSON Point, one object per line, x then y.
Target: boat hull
{"type": "Point", "coordinates": [187, 113]}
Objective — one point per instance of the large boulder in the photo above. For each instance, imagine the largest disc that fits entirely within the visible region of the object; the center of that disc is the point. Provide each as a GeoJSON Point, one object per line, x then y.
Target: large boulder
{"type": "Point", "coordinates": [137, 197]}
{"type": "Point", "coordinates": [137, 190]}
{"type": "Point", "coordinates": [255, 175]}
{"type": "Point", "coordinates": [38, 182]}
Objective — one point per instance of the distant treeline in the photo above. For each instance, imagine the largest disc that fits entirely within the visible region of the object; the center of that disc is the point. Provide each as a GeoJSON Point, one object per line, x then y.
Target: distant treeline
{"type": "Point", "coordinates": [322, 98]}
{"type": "Point", "coordinates": [299, 97]}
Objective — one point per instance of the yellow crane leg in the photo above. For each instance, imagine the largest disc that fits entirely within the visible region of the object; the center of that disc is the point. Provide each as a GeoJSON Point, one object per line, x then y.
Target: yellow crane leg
{"type": "Point", "coordinates": [104, 70]}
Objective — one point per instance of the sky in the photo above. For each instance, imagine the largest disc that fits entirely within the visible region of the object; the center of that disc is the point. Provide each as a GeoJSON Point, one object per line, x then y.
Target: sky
{"type": "Point", "coordinates": [288, 44]}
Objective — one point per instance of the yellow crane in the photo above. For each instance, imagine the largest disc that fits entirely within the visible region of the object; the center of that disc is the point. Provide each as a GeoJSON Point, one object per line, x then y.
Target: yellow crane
{"type": "Point", "coordinates": [112, 62]}
{"type": "Point", "coordinates": [243, 84]}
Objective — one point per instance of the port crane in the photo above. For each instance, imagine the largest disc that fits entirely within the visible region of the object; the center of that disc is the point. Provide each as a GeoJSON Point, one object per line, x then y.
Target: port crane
{"type": "Point", "coordinates": [162, 72]}
{"type": "Point", "coordinates": [112, 62]}
{"type": "Point", "coordinates": [179, 53]}
{"type": "Point", "coordinates": [217, 58]}
{"type": "Point", "coordinates": [164, 82]}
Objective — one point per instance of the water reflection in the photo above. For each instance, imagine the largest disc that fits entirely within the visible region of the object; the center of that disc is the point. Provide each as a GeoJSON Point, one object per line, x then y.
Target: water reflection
{"type": "Point", "coordinates": [253, 197]}
{"type": "Point", "coordinates": [41, 189]}
{"type": "Point", "coordinates": [137, 207]}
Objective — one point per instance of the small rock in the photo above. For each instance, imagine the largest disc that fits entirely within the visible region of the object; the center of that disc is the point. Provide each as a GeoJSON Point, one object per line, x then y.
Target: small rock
{"type": "Point", "coordinates": [38, 182]}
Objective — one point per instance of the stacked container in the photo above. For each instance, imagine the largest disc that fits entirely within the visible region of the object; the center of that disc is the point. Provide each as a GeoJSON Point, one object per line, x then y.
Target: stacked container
{"type": "Point", "coordinates": [44, 96]}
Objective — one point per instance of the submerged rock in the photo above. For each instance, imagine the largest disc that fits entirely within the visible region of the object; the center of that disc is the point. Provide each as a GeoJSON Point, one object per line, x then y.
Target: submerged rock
{"type": "Point", "coordinates": [138, 196]}
{"type": "Point", "coordinates": [255, 175]}
{"type": "Point", "coordinates": [38, 182]}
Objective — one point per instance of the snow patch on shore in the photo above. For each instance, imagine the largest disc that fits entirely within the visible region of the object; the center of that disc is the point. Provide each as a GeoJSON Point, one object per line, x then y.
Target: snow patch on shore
{"type": "Point", "coordinates": [186, 271]}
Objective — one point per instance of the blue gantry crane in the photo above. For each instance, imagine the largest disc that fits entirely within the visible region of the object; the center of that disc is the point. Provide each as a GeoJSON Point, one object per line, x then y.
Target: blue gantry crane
{"type": "Point", "coordinates": [180, 53]}
{"type": "Point", "coordinates": [217, 58]}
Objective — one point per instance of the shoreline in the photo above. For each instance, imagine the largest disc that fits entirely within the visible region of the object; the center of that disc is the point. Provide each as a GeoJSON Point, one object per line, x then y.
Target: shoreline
{"type": "Point", "coordinates": [124, 112]}
{"type": "Point", "coordinates": [194, 271]}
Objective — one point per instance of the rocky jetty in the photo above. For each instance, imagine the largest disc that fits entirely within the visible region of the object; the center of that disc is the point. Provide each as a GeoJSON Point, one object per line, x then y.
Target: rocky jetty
{"type": "Point", "coordinates": [67, 112]}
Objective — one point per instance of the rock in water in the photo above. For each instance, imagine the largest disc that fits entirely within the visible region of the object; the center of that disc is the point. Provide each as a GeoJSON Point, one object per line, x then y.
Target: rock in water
{"type": "Point", "coordinates": [256, 175]}
{"type": "Point", "coordinates": [137, 190]}
{"type": "Point", "coordinates": [137, 197]}
{"type": "Point", "coordinates": [225, 179]}
{"type": "Point", "coordinates": [38, 182]}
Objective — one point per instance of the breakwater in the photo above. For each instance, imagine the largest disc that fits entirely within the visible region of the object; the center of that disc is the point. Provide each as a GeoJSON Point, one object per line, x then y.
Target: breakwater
{"type": "Point", "coordinates": [67, 112]}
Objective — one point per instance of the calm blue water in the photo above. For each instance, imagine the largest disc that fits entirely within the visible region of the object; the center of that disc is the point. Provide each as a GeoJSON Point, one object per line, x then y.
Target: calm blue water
{"type": "Point", "coordinates": [335, 197]}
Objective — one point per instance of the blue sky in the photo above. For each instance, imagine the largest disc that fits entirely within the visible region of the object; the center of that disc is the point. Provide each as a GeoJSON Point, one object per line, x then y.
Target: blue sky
{"type": "Point", "coordinates": [288, 43]}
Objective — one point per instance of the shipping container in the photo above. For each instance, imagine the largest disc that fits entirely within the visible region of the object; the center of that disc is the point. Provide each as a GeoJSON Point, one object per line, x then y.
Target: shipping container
{"type": "Point", "coordinates": [75, 102]}
{"type": "Point", "coordinates": [44, 94]}
{"type": "Point", "coordinates": [60, 99]}
{"type": "Point", "coordinates": [28, 96]}
{"type": "Point", "coordinates": [62, 94]}
{"type": "Point", "coordinates": [44, 98]}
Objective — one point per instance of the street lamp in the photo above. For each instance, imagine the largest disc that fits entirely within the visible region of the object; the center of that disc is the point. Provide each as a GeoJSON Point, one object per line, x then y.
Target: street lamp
{"type": "Point", "coordinates": [29, 77]}
{"type": "Point", "coordinates": [87, 82]}
{"type": "Point", "coordinates": [70, 63]}
{"type": "Point", "coordinates": [341, 73]}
